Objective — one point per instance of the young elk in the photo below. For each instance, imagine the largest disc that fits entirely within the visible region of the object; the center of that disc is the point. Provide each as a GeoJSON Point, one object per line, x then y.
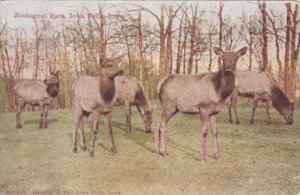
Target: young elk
{"type": "Point", "coordinates": [96, 96]}
{"type": "Point", "coordinates": [36, 93]}
{"type": "Point", "coordinates": [129, 92]}
{"type": "Point", "coordinates": [260, 86]}
{"type": "Point", "coordinates": [201, 94]}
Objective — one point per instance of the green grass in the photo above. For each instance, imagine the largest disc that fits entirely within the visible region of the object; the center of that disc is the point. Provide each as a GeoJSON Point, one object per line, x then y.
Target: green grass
{"type": "Point", "coordinates": [257, 159]}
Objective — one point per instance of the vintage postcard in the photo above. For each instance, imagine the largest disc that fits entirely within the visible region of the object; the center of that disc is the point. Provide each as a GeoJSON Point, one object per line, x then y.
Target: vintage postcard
{"type": "Point", "coordinates": [149, 97]}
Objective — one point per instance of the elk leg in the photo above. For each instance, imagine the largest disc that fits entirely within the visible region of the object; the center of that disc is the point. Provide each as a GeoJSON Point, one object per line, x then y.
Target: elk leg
{"type": "Point", "coordinates": [45, 123]}
{"type": "Point", "coordinates": [214, 129]}
{"type": "Point", "coordinates": [107, 121]}
{"type": "Point", "coordinates": [82, 137]}
{"type": "Point", "coordinates": [160, 143]}
{"type": "Point", "coordinates": [20, 106]}
{"type": "Point", "coordinates": [235, 113]}
{"type": "Point", "coordinates": [96, 115]}
{"type": "Point", "coordinates": [78, 116]}
{"type": "Point", "coordinates": [42, 108]}
{"type": "Point", "coordinates": [229, 114]}
{"type": "Point", "coordinates": [268, 113]}
{"type": "Point", "coordinates": [254, 105]}
{"type": "Point", "coordinates": [204, 118]}
{"type": "Point", "coordinates": [128, 118]}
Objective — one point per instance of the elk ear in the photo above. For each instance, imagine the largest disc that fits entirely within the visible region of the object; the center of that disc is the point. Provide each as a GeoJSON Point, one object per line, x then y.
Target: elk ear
{"type": "Point", "coordinates": [51, 72]}
{"type": "Point", "coordinates": [57, 72]}
{"type": "Point", "coordinates": [242, 51]}
{"type": "Point", "coordinates": [218, 51]}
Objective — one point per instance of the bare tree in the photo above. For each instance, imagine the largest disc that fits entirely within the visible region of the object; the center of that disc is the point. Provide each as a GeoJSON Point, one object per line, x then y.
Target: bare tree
{"type": "Point", "coordinates": [275, 30]}
{"type": "Point", "coordinates": [262, 8]}
{"type": "Point", "coordinates": [221, 23]}
{"type": "Point", "coordinates": [247, 34]}
{"type": "Point", "coordinates": [37, 42]}
{"type": "Point", "coordinates": [163, 35]}
{"type": "Point", "coordinates": [193, 28]}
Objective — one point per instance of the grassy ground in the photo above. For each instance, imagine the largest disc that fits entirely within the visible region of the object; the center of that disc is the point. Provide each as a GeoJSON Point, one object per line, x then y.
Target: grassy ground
{"type": "Point", "coordinates": [258, 159]}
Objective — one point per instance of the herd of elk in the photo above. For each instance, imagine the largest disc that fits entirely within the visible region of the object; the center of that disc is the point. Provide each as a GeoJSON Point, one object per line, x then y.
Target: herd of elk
{"type": "Point", "coordinates": [202, 94]}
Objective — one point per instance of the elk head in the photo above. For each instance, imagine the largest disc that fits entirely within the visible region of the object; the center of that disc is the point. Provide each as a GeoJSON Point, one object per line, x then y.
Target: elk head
{"type": "Point", "coordinates": [52, 83]}
{"type": "Point", "coordinates": [52, 79]}
{"type": "Point", "coordinates": [287, 113]}
{"type": "Point", "coordinates": [109, 67]}
{"type": "Point", "coordinates": [229, 59]}
{"type": "Point", "coordinates": [147, 119]}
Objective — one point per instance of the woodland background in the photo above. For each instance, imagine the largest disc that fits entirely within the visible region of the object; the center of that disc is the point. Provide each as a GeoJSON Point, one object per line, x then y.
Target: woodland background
{"type": "Point", "coordinates": [179, 40]}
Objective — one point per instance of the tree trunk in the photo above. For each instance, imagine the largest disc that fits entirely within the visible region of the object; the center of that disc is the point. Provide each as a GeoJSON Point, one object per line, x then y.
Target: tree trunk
{"type": "Point", "coordinates": [264, 37]}
{"type": "Point", "coordinates": [193, 29]}
{"type": "Point", "coordinates": [220, 32]}
{"type": "Point", "coordinates": [102, 47]}
{"type": "Point", "coordinates": [162, 50]}
{"type": "Point", "coordinates": [140, 47]}
{"type": "Point", "coordinates": [179, 47]}
{"type": "Point", "coordinates": [168, 60]}
{"type": "Point", "coordinates": [250, 49]}
{"type": "Point", "coordinates": [294, 53]}
{"type": "Point", "coordinates": [287, 74]}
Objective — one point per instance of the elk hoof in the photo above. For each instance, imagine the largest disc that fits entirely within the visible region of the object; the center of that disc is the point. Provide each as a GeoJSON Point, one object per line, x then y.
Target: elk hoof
{"type": "Point", "coordinates": [217, 156]}
{"type": "Point", "coordinates": [113, 150]}
{"type": "Point", "coordinates": [149, 131]}
{"type": "Point", "coordinates": [75, 150]}
{"type": "Point", "coordinates": [251, 123]}
{"type": "Point", "coordinates": [230, 121]}
{"type": "Point", "coordinates": [18, 126]}
{"type": "Point", "coordinates": [269, 122]}
{"type": "Point", "coordinates": [91, 153]}
{"type": "Point", "coordinates": [202, 160]}
{"type": "Point", "coordinates": [84, 148]}
{"type": "Point", "coordinates": [237, 122]}
{"type": "Point", "coordinates": [156, 150]}
{"type": "Point", "coordinates": [163, 153]}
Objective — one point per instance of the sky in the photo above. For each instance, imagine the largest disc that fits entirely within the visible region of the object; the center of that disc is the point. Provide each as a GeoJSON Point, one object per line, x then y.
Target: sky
{"type": "Point", "coordinates": [8, 9]}
{"type": "Point", "coordinates": [15, 12]}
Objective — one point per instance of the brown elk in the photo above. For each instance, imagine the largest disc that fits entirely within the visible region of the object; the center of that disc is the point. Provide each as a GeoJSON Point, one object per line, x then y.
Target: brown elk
{"type": "Point", "coordinates": [129, 92]}
{"type": "Point", "coordinates": [260, 86]}
{"type": "Point", "coordinates": [36, 93]}
{"type": "Point", "coordinates": [96, 96]}
{"type": "Point", "coordinates": [201, 94]}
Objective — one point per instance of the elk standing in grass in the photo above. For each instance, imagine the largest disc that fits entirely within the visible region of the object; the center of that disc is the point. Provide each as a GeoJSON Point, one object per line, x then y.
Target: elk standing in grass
{"type": "Point", "coordinates": [96, 96]}
{"type": "Point", "coordinates": [201, 94]}
{"type": "Point", "coordinates": [129, 92]}
{"type": "Point", "coordinates": [259, 86]}
{"type": "Point", "coordinates": [36, 93]}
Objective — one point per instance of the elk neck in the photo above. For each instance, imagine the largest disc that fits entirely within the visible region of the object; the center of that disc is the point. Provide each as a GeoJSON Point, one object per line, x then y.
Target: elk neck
{"type": "Point", "coordinates": [52, 89]}
{"type": "Point", "coordinates": [107, 88]}
{"type": "Point", "coordinates": [141, 100]}
{"type": "Point", "coordinates": [224, 82]}
{"type": "Point", "coordinates": [279, 99]}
